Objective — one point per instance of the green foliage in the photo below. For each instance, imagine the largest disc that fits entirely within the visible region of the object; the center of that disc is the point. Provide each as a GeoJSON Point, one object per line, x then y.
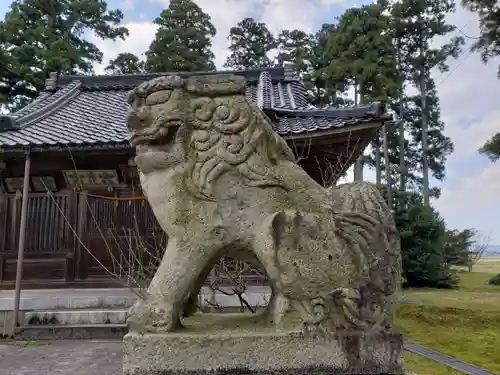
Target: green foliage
{"type": "Point", "coordinates": [440, 146]}
{"type": "Point", "coordinates": [423, 241]}
{"type": "Point", "coordinates": [321, 90]}
{"type": "Point", "coordinates": [38, 37]}
{"type": "Point", "coordinates": [488, 42]}
{"type": "Point", "coordinates": [125, 63]}
{"type": "Point", "coordinates": [249, 44]}
{"type": "Point", "coordinates": [183, 41]}
{"type": "Point", "coordinates": [495, 280]}
{"type": "Point", "coordinates": [296, 48]}
{"type": "Point", "coordinates": [492, 148]}
{"type": "Point", "coordinates": [415, 24]}
{"type": "Point", "coordinates": [359, 50]}
{"type": "Point", "coordinates": [458, 244]}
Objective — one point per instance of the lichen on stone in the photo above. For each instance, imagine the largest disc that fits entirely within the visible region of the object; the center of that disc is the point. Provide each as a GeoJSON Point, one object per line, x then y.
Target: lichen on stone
{"type": "Point", "coordinates": [219, 179]}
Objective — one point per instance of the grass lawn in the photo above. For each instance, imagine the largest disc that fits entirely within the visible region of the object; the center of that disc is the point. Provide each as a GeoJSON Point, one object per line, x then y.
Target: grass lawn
{"type": "Point", "coordinates": [463, 323]}
{"type": "Point", "coordinates": [425, 366]}
{"type": "Point", "coordinates": [470, 335]}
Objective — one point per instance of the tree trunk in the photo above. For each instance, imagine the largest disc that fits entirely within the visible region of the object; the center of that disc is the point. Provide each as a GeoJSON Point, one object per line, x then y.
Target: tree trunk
{"type": "Point", "coordinates": [376, 145]}
{"type": "Point", "coordinates": [425, 164]}
{"type": "Point", "coordinates": [388, 178]}
{"type": "Point", "coordinates": [402, 166]}
{"type": "Point", "coordinates": [358, 166]}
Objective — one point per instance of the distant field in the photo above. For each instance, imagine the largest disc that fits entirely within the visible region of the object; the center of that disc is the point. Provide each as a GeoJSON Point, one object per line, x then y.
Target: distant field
{"type": "Point", "coordinates": [488, 264]}
{"type": "Point", "coordinates": [463, 323]}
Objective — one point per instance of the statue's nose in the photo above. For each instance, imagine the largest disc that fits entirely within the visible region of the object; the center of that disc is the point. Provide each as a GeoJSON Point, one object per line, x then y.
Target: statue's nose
{"type": "Point", "coordinates": [137, 120]}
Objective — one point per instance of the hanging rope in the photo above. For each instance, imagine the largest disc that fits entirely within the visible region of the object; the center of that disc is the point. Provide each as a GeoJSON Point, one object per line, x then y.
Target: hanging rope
{"type": "Point", "coordinates": [114, 198]}
{"type": "Point", "coordinates": [117, 199]}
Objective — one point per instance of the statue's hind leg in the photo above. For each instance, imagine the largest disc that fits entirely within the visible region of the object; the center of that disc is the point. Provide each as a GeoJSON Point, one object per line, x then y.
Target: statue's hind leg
{"type": "Point", "coordinates": [182, 264]}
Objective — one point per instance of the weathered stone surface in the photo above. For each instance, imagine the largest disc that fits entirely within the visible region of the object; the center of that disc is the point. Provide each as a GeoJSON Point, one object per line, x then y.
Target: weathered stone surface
{"type": "Point", "coordinates": [229, 347]}
{"type": "Point", "coordinates": [220, 181]}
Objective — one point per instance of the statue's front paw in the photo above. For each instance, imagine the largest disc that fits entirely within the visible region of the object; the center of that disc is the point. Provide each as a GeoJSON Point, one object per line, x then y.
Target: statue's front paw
{"type": "Point", "coordinates": [151, 317]}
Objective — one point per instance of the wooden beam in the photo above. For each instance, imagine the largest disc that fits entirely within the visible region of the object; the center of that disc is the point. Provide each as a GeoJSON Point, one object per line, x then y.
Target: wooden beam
{"type": "Point", "coordinates": [4, 207]}
{"type": "Point", "coordinates": [346, 129]}
{"type": "Point", "coordinates": [80, 255]}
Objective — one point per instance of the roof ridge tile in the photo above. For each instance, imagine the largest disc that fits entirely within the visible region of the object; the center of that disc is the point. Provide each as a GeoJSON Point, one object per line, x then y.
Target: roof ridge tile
{"type": "Point", "coordinates": [64, 96]}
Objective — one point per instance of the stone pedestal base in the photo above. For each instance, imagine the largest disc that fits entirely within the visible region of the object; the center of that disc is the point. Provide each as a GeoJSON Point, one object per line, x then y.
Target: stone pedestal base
{"type": "Point", "coordinates": [228, 345]}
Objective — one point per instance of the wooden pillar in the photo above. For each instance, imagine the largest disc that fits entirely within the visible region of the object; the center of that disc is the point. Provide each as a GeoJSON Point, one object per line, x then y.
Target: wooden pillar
{"type": "Point", "coordinates": [22, 238]}
{"type": "Point", "coordinates": [3, 222]}
{"type": "Point", "coordinates": [80, 252]}
{"type": "Point", "coordinates": [70, 263]}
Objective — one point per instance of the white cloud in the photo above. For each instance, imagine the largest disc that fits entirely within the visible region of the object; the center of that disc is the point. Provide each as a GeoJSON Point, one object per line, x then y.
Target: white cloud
{"type": "Point", "coordinates": [468, 95]}
{"type": "Point", "coordinates": [291, 14]}
{"type": "Point", "coordinates": [127, 4]}
{"type": "Point", "coordinates": [278, 14]}
{"type": "Point", "coordinates": [474, 202]}
{"type": "Point", "coordinates": [140, 36]}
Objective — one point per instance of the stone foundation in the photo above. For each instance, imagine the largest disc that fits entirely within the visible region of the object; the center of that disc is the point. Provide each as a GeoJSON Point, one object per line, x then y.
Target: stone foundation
{"type": "Point", "coordinates": [214, 345]}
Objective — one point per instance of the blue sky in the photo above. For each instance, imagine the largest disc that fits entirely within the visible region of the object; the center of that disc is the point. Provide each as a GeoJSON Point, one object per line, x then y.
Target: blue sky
{"type": "Point", "coordinates": [469, 95]}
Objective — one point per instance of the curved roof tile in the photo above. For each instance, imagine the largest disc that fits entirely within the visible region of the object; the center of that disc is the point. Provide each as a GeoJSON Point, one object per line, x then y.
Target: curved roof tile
{"type": "Point", "coordinates": [91, 111]}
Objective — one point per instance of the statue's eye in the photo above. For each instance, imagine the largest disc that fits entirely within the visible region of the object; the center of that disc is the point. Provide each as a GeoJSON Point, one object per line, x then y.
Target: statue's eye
{"type": "Point", "coordinates": [158, 97]}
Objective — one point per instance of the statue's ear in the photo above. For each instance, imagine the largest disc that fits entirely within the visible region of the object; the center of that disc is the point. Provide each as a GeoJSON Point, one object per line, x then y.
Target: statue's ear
{"type": "Point", "coordinates": [216, 85]}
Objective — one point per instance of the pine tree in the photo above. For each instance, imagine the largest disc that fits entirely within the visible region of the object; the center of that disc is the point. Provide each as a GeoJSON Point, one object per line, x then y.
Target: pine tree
{"type": "Point", "coordinates": [249, 44]}
{"type": "Point", "coordinates": [415, 24]}
{"type": "Point", "coordinates": [296, 48]}
{"type": "Point", "coordinates": [361, 53]}
{"type": "Point", "coordinates": [125, 63]}
{"type": "Point", "coordinates": [183, 41]}
{"type": "Point", "coordinates": [43, 36]}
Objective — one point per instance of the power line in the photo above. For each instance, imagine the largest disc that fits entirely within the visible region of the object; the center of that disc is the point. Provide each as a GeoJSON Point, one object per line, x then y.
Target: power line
{"type": "Point", "coordinates": [454, 69]}
{"type": "Point", "coordinates": [460, 29]}
{"type": "Point", "coordinates": [465, 35]}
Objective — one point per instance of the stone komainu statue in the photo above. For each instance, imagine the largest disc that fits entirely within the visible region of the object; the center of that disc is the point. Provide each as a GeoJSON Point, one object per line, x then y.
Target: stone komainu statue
{"type": "Point", "coordinates": [221, 182]}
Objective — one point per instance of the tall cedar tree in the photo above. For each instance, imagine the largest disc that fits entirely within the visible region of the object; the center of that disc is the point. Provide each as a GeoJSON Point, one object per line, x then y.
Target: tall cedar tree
{"type": "Point", "coordinates": [488, 44]}
{"type": "Point", "coordinates": [183, 41]}
{"type": "Point", "coordinates": [38, 37]}
{"type": "Point", "coordinates": [249, 44]}
{"type": "Point", "coordinates": [415, 24]}
{"type": "Point", "coordinates": [125, 63]}
{"type": "Point", "coordinates": [296, 47]}
{"type": "Point", "coordinates": [321, 90]}
{"type": "Point", "coordinates": [361, 53]}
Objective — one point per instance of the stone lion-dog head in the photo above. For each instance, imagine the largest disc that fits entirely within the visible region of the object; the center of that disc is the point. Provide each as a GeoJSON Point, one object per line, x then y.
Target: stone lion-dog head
{"type": "Point", "coordinates": [206, 125]}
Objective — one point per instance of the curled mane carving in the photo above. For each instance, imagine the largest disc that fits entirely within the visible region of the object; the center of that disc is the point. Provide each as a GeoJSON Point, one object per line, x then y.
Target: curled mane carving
{"type": "Point", "coordinates": [227, 132]}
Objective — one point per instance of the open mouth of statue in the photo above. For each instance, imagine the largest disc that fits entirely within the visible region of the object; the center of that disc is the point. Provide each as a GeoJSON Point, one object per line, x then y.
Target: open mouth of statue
{"type": "Point", "coordinates": [162, 136]}
{"type": "Point", "coordinates": [157, 150]}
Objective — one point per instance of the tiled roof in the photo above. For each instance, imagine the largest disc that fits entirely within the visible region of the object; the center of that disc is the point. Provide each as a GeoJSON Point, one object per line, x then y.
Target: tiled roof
{"type": "Point", "coordinates": [87, 111]}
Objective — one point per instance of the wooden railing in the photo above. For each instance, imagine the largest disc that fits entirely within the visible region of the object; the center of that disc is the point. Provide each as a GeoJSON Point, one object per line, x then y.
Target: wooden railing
{"type": "Point", "coordinates": [76, 236]}
{"type": "Point", "coordinates": [47, 218]}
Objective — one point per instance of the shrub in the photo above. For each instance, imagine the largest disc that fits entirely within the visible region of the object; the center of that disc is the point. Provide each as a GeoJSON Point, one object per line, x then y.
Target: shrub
{"type": "Point", "coordinates": [495, 280]}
